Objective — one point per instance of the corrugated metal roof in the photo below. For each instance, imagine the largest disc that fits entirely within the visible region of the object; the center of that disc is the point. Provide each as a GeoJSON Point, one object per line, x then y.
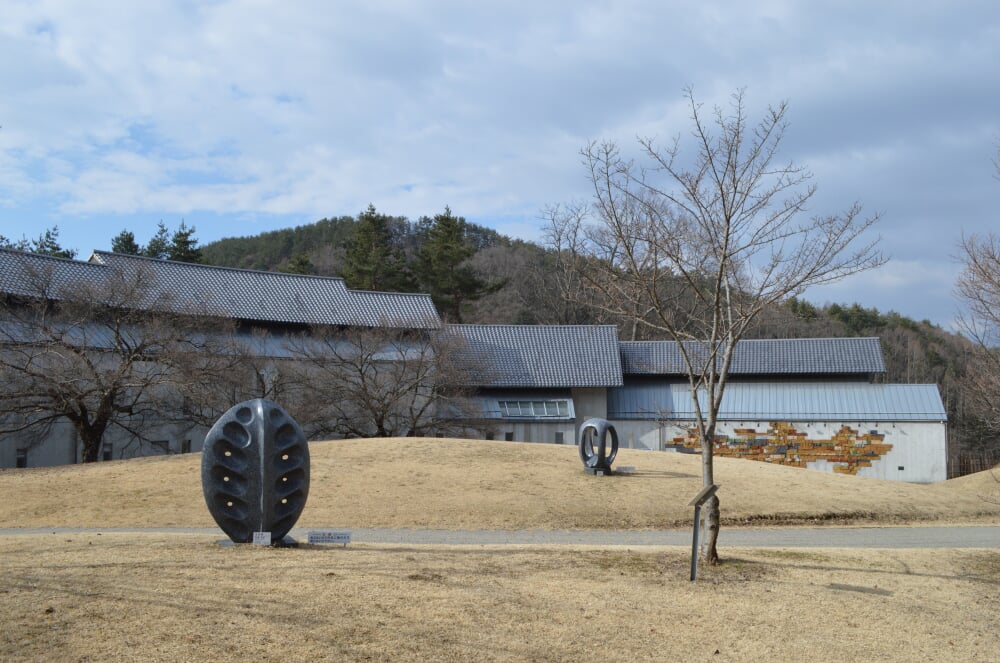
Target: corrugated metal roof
{"type": "Point", "coordinates": [219, 291]}
{"type": "Point", "coordinates": [541, 356]}
{"type": "Point", "coordinates": [793, 356]}
{"type": "Point", "coordinates": [812, 401]}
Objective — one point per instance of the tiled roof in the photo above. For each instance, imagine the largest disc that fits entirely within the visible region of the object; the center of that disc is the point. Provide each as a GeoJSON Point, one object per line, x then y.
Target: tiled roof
{"type": "Point", "coordinates": [219, 291]}
{"type": "Point", "coordinates": [540, 356]}
{"type": "Point", "coordinates": [795, 356]}
{"type": "Point", "coordinates": [771, 401]}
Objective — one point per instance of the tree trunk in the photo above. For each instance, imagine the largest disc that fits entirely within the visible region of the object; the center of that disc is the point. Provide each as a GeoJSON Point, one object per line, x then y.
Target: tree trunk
{"type": "Point", "coordinates": [90, 445]}
{"type": "Point", "coordinates": [710, 515]}
{"type": "Point", "coordinates": [710, 511]}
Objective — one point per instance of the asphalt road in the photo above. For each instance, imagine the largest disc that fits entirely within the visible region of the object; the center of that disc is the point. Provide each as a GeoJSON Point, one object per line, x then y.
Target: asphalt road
{"type": "Point", "coordinates": [788, 537]}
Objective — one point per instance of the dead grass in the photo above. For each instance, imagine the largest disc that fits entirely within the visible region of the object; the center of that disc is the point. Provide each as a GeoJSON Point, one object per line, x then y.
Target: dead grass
{"type": "Point", "coordinates": [182, 597]}
{"type": "Point", "coordinates": [105, 597]}
{"type": "Point", "coordinates": [465, 484]}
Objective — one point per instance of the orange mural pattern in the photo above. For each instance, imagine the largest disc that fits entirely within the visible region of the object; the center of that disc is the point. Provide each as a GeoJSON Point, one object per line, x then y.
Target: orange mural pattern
{"type": "Point", "coordinates": [848, 450]}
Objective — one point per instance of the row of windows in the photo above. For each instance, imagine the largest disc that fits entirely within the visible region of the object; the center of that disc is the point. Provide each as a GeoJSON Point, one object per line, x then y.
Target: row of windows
{"type": "Point", "coordinates": [107, 451]}
{"type": "Point", "coordinates": [559, 437]}
{"type": "Point", "coordinates": [558, 408]}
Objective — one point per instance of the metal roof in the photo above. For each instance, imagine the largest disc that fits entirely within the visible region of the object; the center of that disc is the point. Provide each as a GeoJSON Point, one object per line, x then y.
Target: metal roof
{"type": "Point", "coordinates": [239, 294]}
{"type": "Point", "coordinates": [541, 356]}
{"type": "Point", "coordinates": [793, 356]}
{"type": "Point", "coordinates": [810, 401]}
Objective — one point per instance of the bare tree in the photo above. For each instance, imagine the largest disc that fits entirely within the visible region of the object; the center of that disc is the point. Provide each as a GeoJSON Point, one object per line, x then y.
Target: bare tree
{"type": "Point", "coordinates": [978, 287]}
{"type": "Point", "coordinates": [694, 247]}
{"type": "Point", "coordinates": [376, 383]}
{"type": "Point", "coordinates": [232, 366]}
{"type": "Point", "coordinates": [90, 353]}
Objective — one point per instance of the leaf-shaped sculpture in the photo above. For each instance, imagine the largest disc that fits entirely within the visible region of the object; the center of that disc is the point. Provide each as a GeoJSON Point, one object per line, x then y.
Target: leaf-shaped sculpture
{"type": "Point", "coordinates": [255, 471]}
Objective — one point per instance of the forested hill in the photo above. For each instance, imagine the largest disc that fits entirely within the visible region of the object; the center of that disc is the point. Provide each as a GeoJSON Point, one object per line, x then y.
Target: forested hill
{"type": "Point", "coordinates": [323, 244]}
{"type": "Point", "coordinates": [273, 250]}
{"type": "Point", "coordinates": [516, 282]}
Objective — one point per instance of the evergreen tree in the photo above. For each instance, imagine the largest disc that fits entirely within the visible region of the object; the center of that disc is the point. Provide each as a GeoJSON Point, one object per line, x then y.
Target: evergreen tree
{"type": "Point", "coordinates": [299, 264]}
{"type": "Point", "coordinates": [159, 245]}
{"type": "Point", "coordinates": [124, 242]}
{"type": "Point", "coordinates": [183, 245]}
{"type": "Point", "coordinates": [443, 270]}
{"type": "Point", "coordinates": [373, 261]}
{"type": "Point", "coordinates": [20, 245]}
{"type": "Point", "coordinates": [45, 244]}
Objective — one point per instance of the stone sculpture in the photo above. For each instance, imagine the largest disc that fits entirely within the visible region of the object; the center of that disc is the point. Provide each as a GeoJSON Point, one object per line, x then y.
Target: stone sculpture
{"type": "Point", "coordinates": [255, 471]}
{"type": "Point", "coordinates": [597, 460]}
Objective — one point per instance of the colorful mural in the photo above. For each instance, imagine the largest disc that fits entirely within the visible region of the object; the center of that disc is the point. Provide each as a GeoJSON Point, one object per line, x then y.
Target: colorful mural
{"type": "Point", "coordinates": [848, 450]}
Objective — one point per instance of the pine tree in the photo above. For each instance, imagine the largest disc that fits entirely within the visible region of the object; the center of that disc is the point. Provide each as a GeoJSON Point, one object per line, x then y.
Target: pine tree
{"type": "Point", "coordinates": [184, 245]}
{"type": "Point", "coordinates": [373, 261]}
{"type": "Point", "coordinates": [299, 264]}
{"type": "Point", "coordinates": [48, 244]}
{"type": "Point", "coordinates": [159, 245]}
{"type": "Point", "coordinates": [442, 267]}
{"type": "Point", "coordinates": [124, 242]}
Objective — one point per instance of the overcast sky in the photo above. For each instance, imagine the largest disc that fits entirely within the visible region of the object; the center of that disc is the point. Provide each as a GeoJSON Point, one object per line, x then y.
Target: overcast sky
{"type": "Point", "coordinates": [242, 117]}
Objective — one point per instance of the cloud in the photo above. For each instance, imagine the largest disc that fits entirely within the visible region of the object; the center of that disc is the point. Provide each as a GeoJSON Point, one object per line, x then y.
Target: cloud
{"type": "Point", "coordinates": [296, 111]}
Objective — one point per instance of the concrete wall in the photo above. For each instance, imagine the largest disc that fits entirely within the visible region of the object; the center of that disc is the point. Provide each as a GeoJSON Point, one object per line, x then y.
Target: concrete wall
{"type": "Point", "coordinates": [60, 446]}
{"type": "Point", "coordinates": [532, 431]}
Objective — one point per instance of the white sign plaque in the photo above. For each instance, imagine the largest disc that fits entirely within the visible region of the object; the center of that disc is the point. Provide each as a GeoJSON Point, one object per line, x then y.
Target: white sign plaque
{"type": "Point", "coordinates": [329, 536]}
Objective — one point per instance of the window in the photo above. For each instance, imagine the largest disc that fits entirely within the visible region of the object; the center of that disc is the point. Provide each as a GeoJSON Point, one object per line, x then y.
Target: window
{"type": "Point", "coordinates": [22, 458]}
{"type": "Point", "coordinates": [185, 446]}
{"type": "Point", "coordinates": [108, 451]}
{"type": "Point", "coordinates": [490, 435]}
{"type": "Point", "coordinates": [559, 437]}
{"type": "Point", "coordinates": [508, 436]}
{"type": "Point", "coordinates": [534, 409]}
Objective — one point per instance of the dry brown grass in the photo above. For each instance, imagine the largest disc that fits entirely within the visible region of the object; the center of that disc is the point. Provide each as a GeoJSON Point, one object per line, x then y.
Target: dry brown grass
{"type": "Point", "coordinates": [143, 597]}
{"type": "Point", "coordinates": [463, 484]}
{"type": "Point", "coordinates": [182, 597]}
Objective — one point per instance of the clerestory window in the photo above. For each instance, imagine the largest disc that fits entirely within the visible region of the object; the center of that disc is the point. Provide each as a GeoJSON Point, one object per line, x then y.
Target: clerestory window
{"type": "Point", "coordinates": [534, 409]}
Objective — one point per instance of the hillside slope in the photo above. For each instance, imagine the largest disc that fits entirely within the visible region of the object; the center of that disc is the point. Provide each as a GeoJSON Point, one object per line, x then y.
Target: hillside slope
{"type": "Point", "coordinates": [466, 484]}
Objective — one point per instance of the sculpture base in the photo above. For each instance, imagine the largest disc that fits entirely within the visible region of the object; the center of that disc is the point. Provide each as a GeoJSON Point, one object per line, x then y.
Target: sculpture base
{"type": "Point", "coordinates": [598, 471]}
{"type": "Point", "coordinates": [285, 542]}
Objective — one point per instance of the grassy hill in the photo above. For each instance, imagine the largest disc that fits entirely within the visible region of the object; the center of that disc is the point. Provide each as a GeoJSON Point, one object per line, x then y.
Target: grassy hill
{"type": "Point", "coordinates": [98, 596]}
{"type": "Point", "coordinates": [467, 484]}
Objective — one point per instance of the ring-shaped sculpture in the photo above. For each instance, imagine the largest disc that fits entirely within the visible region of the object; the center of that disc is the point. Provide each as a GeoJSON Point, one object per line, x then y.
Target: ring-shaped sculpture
{"type": "Point", "coordinates": [597, 459]}
{"type": "Point", "coordinates": [255, 471]}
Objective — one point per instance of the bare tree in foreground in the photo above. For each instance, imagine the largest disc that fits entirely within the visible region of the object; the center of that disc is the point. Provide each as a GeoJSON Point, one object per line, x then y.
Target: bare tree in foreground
{"type": "Point", "coordinates": [695, 245]}
{"type": "Point", "coordinates": [377, 383]}
{"type": "Point", "coordinates": [92, 355]}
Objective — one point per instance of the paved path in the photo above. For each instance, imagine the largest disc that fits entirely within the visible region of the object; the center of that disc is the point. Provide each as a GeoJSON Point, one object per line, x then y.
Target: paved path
{"type": "Point", "coordinates": [789, 537]}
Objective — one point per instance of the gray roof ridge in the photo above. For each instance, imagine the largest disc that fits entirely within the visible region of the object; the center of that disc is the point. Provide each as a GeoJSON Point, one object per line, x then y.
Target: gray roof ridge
{"type": "Point", "coordinates": [199, 265]}
{"type": "Point", "coordinates": [812, 338]}
{"type": "Point", "coordinates": [46, 257]}
{"type": "Point", "coordinates": [499, 325]}
{"type": "Point", "coordinates": [767, 340]}
{"type": "Point", "coordinates": [375, 292]}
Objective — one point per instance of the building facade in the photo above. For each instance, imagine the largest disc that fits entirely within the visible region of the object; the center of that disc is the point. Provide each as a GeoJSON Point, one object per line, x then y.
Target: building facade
{"type": "Point", "coordinates": [809, 403]}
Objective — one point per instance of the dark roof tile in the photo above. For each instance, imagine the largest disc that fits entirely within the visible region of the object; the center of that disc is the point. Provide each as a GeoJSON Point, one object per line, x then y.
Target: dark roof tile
{"type": "Point", "coordinates": [234, 293]}
{"type": "Point", "coordinates": [790, 356]}
{"type": "Point", "coordinates": [542, 356]}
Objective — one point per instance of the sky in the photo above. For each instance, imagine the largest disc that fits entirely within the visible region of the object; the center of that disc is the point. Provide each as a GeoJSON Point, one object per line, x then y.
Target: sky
{"type": "Point", "coordinates": [239, 117]}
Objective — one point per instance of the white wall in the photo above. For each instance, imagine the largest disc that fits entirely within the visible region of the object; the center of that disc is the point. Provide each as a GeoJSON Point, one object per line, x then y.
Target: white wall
{"type": "Point", "coordinates": [918, 454]}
